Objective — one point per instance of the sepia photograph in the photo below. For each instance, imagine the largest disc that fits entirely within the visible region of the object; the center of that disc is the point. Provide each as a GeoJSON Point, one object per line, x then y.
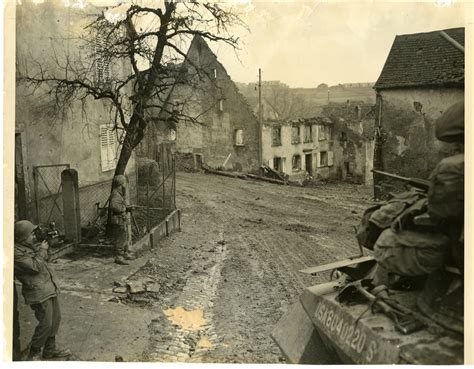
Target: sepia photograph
{"type": "Point", "coordinates": [236, 181]}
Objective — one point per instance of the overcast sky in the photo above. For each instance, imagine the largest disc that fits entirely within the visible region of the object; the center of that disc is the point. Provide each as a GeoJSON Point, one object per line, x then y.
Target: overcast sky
{"type": "Point", "coordinates": [305, 43]}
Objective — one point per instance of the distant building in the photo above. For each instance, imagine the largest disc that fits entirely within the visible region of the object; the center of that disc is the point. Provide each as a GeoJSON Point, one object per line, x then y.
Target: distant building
{"type": "Point", "coordinates": [422, 77]}
{"type": "Point", "coordinates": [299, 148]}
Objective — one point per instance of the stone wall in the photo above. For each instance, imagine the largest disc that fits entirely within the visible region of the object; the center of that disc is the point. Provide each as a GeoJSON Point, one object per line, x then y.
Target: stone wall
{"type": "Point", "coordinates": [407, 144]}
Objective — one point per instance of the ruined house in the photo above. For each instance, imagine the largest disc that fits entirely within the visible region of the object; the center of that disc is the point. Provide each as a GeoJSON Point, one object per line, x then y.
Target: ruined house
{"type": "Point", "coordinates": [338, 144]}
{"type": "Point", "coordinates": [300, 147]}
{"type": "Point", "coordinates": [422, 77]}
{"type": "Point", "coordinates": [215, 125]}
{"type": "Point", "coordinates": [79, 138]}
{"type": "Point", "coordinates": [353, 140]}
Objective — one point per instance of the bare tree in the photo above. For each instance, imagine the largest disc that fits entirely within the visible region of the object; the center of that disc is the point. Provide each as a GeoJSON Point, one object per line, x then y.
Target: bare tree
{"type": "Point", "coordinates": [126, 40]}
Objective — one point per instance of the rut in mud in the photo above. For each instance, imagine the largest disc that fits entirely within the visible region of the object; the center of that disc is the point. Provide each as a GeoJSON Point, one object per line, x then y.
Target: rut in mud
{"type": "Point", "coordinates": [227, 278]}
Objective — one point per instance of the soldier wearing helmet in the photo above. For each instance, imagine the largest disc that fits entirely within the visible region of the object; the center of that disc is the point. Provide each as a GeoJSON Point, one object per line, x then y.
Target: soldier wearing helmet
{"type": "Point", "coordinates": [39, 290]}
{"type": "Point", "coordinates": [118, 219]}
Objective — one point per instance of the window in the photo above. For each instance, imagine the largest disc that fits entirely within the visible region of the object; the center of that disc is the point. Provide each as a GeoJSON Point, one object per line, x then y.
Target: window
{"type": "Point", "coordinates": [215, 73]}
{"type": "Point", "coordinates": [276, 136]}
{"type": "Point", "coordinates": [295, 134]}
{"type": "Point", "coordinates": [308, 133]}
{"type": "Point", "coordinates": [296, 163]}
{"type": "Point", "coordinates": [239, 137]}
{"type": "Point", "coordinates": [326, 159]}
{"type": "Point", "coordinates": [221, 105]}
{"type": "Point", "coordinates": [323, 159]}
{"type": "Point", "coordinates": [278, 164]}
{"type": "Point", "coordinates": [107, 148]}
{"type": "Point", "coordinates": [321, 133]}
{"type": "Point", "coordinates": [102, 63]}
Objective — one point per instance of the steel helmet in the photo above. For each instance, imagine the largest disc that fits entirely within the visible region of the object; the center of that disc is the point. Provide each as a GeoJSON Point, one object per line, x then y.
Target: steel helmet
{"type": "Point", "coordinates": [23, 229]}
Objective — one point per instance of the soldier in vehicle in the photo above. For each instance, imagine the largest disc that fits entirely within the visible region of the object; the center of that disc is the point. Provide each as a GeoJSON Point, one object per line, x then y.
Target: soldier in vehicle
{"type": "Point", "coordinates": [118, 220]}
{"type": "Point", "coordinates": [40, 291]}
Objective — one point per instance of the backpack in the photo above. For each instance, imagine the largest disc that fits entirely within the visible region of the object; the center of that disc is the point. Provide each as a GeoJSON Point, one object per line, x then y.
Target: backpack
{"type": "Point", "coordinates": [411, 253]}
{"type": "Point", "coordinates": [381, 216]}
{"type": "Point", "coordinates": [446, 192]}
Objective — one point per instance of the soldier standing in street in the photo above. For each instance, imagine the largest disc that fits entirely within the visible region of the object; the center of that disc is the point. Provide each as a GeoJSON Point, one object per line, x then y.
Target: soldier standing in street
{"type": "Point", "coordinates": [118, 219]}
{"type": "Point", "coordinates": [39, 290]}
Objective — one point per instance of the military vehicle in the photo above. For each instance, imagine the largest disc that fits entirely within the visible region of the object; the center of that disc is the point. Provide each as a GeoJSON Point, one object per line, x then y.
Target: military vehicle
{"type": "Point", "coordinates": [401, 301]}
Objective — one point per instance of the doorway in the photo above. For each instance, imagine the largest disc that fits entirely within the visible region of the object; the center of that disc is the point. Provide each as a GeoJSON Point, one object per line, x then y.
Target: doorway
{"type": "Point", "coordinates": [308, 160]}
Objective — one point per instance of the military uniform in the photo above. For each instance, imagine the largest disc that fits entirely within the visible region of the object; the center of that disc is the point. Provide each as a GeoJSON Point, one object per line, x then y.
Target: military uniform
{"type": "Point", "coordinates": [40, 291]}
{"type": "Point", "coordinates": [118, 220]}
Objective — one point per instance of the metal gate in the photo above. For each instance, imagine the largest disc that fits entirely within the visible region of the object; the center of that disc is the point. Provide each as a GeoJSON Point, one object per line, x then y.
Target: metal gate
{"type": "Point", "coordinates": [49, 204]}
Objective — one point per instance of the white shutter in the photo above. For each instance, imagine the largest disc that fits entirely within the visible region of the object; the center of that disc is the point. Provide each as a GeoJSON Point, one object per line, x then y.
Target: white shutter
{"type": "Point", "coordinates": [318, 158]}
{"type": "Point", "coordinates": [330, 158]}
{"type": "Point", "coordinates": [107, 148]}
{"type": "Point", "coordinates": [239, 137]}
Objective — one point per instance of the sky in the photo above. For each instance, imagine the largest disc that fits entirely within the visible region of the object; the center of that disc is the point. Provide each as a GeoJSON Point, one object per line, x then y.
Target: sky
{"type": "Point", "coordinates": [305, 43]}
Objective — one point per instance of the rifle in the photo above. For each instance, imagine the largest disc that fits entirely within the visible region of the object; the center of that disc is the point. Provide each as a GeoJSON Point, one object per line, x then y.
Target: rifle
{"type": "Point", "coordinates": [422, 184]}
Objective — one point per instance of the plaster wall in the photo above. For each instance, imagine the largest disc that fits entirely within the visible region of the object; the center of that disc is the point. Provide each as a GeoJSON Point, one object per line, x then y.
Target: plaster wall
{"type": "Point", "coordinates": [287, 150]}
{"type": "Point", "coordinates": [72, 137]}
{"type": "Point", "coordinates": [408, 145]}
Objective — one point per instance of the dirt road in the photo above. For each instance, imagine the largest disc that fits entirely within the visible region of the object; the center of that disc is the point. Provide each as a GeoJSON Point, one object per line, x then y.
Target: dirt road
{"type": "Point", "coordinates": [227, 278]}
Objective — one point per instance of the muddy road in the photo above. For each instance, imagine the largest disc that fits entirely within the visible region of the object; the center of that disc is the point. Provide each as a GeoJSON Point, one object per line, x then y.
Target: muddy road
{"type": "Point", "coordinates": [226, 279]}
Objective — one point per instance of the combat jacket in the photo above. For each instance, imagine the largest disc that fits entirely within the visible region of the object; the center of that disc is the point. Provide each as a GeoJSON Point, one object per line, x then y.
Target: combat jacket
{"type": "Point", "coordinates": [118, 208]}
{"type": "Point", "coordinates": [31, 269]}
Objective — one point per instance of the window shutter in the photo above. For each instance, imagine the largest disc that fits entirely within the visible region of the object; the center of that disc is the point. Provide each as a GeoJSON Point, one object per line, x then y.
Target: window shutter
{"type": "Point", "coordinates": [330, 158]}
{"type": "Point", "coordinates": [318, 158]}
{"type": "Point", "coordinates": [239, 137]}
{"type": "Point", "coordinates": [107, 148]}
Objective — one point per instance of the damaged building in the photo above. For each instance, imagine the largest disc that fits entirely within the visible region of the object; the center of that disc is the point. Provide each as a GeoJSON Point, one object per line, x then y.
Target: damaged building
{"type": "Point", "coordinates": [422, 77]}
{"type": "Point", "coordinates": [214, 125]}
{"type": "Point", "coordinates": [337, 145]}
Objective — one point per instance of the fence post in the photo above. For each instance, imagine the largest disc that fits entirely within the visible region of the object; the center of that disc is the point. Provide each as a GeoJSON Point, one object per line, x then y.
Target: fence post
{"type": "Point", "coordinates": [150, 168]}
{"type": "Point", "coordinates": [174, 181]}
{"type": "Point", "coordinates": [71, 207]}
{"type": "Point", "coordinates": [162, 147]}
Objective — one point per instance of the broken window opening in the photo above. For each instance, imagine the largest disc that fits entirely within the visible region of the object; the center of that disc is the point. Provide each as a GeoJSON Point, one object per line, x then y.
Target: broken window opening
{"type": "Point", "coordinates": [323, 159]}
{"type": "Point", "coordinates": [308, 133]}
{"type": "Point", "coordinates": [295, 134]}
{"type": "Point", "coordinates": [296, 163]}
{"type": "Point", "coordinates": [276, 136]}
{"type": "Point", "coordinates": [278, 164]}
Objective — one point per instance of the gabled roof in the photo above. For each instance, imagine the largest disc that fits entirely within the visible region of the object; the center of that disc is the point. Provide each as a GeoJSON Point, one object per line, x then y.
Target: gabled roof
{"type": "Point", "coordinates": [424, 59]}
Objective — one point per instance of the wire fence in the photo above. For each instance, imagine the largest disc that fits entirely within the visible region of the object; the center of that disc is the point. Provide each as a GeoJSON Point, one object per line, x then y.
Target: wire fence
{"type": "Point", "coordinates": [93, 200]}
{"type": "Point", "coordinates": [48, 194]}
{"type": "Point", "coordinates": [156, 189]}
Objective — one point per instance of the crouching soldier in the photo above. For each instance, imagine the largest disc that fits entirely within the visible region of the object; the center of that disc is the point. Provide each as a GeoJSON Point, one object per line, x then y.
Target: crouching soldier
{"type": "Point", "coordinates": [118, 218]}
{"type": "Point", "coordinates": [39, 290]}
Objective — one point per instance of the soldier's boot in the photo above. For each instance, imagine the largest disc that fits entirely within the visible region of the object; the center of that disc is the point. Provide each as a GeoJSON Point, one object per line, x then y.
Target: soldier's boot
{"type": "Point", "coordinates": [34, 354]}
{"type": "Point", "coordinates": [121, 260]}
{"type": "Point", "coordinates": [129, 256]}
{"type": "Point", "coordinates": [52, 352]}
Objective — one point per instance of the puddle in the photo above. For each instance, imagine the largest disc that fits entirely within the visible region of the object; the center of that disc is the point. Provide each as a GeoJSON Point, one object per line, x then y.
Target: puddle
{"type": "Point", "coordinates": [188, 320]}
{"type": "Point", "coordinates": [204, 343]}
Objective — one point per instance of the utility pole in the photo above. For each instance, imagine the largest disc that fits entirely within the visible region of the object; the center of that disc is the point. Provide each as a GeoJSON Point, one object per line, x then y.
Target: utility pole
{"type": "Point", "coordinates": [260, 118]}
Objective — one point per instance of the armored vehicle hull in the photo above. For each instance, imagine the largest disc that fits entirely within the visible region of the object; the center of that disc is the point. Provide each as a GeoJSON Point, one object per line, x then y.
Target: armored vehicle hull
{"type": "Point", "coordinates": [319, 329]}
